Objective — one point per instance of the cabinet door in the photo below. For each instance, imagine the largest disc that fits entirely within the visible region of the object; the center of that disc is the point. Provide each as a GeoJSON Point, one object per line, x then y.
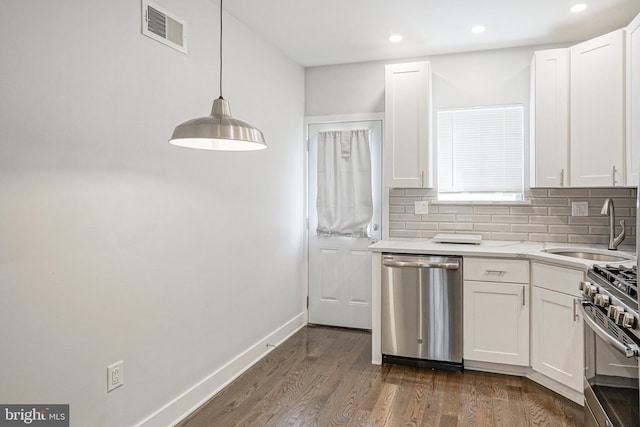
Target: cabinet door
{"type": "Point", "coordinates": [496, 322]}
{"type": "Point", "coordinates": [557, 340]}
{"type": "Point", "coordinates": [550, 118]}
{"type": "Point", "coordinates": [407, 136]}
{"type": "Point", "coordinates": [633, 102]}
{"type": "Point", "coordinates": [597, 111]}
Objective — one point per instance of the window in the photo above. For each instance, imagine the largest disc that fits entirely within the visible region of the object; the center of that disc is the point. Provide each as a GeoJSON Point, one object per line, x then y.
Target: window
{"type": "Point", "coordinates": [480, 154]}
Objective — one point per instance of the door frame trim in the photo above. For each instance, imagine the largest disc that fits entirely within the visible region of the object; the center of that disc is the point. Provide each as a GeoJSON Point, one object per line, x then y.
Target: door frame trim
{"type": "Point", "coordinates": [339, 118]}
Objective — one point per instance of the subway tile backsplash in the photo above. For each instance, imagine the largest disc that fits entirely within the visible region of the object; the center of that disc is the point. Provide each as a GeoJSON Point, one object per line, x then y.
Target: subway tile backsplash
{"type": "Point", "coordinates": [547, 219]}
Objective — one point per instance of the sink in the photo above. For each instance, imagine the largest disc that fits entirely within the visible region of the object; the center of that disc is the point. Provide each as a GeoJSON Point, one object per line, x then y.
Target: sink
{"type": "Point", "coordinates": [590, 254]}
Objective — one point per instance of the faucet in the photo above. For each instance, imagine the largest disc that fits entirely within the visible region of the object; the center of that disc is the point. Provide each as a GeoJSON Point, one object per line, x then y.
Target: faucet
{"type": "Point", "coordinates": [614, 241]}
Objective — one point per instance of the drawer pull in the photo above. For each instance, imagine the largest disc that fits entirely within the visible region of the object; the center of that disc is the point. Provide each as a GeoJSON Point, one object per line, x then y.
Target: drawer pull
{"type": "Point", "coordinates": [498, 272]}
{"type": "Point", "coordinates": [523, 297]}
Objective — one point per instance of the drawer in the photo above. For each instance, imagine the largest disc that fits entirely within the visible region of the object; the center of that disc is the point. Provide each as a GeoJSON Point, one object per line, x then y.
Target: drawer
{"type": "Point", "coordinates": [555, 278]}
{"type": "Point", "coordinates": [496, 270]}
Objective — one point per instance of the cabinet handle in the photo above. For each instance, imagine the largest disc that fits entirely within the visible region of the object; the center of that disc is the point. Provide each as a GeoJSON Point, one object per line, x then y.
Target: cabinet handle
{"type": "Point", "coordinates": [561, 177]}
{"type": "Point", "coordinates": [523, 296]}
{"type": "Point", "coordinates": [422, 178]}
{"type": "Point", "coordinates": [498, 272]}
{"type": "Point", "coordinates": [575, 309]}
{"type": "Point", "coordinates": [613, 175]}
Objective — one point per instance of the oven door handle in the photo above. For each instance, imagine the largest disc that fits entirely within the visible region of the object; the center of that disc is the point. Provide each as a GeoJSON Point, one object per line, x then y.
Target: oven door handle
{"type": "Point", "coordinates": [628, 351]}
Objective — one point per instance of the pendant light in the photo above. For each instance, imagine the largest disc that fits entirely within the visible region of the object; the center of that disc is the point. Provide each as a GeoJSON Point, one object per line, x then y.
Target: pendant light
{"type": "Point", "coordinates": [218, 131]}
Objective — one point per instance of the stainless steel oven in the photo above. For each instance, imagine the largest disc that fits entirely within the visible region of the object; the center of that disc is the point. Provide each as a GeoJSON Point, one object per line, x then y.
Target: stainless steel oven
{"type": "Point", "coordinates": [611, 339]}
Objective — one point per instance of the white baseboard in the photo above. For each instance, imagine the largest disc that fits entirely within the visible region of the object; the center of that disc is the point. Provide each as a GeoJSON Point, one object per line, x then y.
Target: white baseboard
{"type": "Point", "coordinates": [496, 368]}
{"type": "Point", "coordinates": [559, 388]}
{"type": "Point", "coordinates": [180, 407]}
{"type": "Point", "coordinates": [526, 371]}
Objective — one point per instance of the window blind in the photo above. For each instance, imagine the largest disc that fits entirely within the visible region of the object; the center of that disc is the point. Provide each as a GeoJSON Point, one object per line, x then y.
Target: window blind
{"type": "Point", "coordinates": [480, 150]}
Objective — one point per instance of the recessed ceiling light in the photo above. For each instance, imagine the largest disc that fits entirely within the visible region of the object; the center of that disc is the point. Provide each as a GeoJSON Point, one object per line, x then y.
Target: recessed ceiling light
{"type": "Point", "coordinates": [478, 29]}
{"type": "Point", "coordinates": [395, 38]}
{"type": "Point", "coordinates": [578, 7]}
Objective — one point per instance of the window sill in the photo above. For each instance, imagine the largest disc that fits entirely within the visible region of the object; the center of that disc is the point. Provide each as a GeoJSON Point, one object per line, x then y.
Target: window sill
{"type": "Point", "coordinates": [526, 202]}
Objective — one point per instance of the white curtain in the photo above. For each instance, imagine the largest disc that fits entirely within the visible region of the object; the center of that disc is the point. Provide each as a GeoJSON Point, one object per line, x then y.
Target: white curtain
{"type": "Point", "coordinates": [344, 203]}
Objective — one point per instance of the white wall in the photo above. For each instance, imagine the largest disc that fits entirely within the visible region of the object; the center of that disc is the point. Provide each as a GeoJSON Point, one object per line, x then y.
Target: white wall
{"type": "Point", "coordinates": [487, 77]}
{"type": "Point", "coordinates": [113, 243]}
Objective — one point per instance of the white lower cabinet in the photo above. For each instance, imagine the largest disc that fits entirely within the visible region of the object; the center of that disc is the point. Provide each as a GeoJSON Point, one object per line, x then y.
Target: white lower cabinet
{"type": "Point", "coordinates": [496, 311]}
{"type": "Point", "coordinates": [556, 325]}
{"type": "Point", "coordinates": [496, 322]}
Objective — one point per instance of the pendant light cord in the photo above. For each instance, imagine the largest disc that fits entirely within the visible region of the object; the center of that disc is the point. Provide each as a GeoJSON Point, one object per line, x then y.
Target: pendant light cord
{"type": "Point", "coordinates": [220, 48]}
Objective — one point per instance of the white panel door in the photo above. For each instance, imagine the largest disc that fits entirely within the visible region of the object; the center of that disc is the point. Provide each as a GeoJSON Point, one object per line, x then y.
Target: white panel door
{"type": "Point", "coordinates": [550, 124]}
{"type": "Point", "coordinates": [496, 322]}
{"type": "Point", "coordinates": [557, 340]}
{"type": "Point", "coordinates": [633, 102]}
{"type": "Point", "coordinates": [597, 111]}
{"type": "Point", "coordinates": [340, 267]}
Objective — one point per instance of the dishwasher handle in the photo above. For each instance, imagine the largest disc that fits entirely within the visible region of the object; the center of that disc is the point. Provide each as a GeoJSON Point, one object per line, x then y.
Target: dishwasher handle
{"type": "Point", "coordinates": [423, 264]}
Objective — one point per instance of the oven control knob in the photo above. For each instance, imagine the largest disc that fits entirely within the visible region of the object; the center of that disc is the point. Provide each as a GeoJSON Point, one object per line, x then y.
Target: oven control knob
{"type": "Point", "coordinates": [615, 312]}
{"type": "Point", "coordinates": [598, 300]}
{"type": "Point", "coordinates": [628, 321]}
{"type": "Point", "coordinates": [602, 300]}
{"type": "Point", "coordinates": [593, 291]}
{"type": "Point", "coordinates": [586, 288]}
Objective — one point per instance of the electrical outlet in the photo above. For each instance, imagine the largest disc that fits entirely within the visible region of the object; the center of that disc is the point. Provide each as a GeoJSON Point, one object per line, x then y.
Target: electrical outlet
{"type": "Point", "coordinates": [115, 375]}
{"type": "Point", "coordinates": [422, 207]}
{"type": "Point", "coordinates": [579, 208]}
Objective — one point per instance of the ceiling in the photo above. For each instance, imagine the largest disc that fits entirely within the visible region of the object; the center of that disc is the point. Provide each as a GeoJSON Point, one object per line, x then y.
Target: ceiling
{"type": "Point", "coordinates": [323, 32]}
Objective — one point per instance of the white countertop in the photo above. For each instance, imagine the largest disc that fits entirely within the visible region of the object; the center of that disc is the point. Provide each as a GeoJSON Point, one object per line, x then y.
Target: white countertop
{"type": "Point", "coordinates": [501, 249]}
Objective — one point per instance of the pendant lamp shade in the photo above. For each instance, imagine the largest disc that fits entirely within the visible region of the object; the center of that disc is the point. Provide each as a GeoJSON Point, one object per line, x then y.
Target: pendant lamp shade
{"type": "Point", "coordinates": [218, 131]}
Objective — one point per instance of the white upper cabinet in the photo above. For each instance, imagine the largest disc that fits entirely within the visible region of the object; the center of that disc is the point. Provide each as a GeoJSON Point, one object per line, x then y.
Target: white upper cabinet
{"type": "Point", "coordinates": [633, 102]}
{"type": "Point", "coordinates": [550, 118]}
{"type": "Point", "coordinates": [598, 111]}
{"type": "Point", "coordinates": [407, 137]}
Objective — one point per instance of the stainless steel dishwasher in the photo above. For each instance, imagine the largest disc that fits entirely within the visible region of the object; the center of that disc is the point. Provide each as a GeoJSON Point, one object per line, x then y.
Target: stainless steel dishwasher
{"type": "Point", "coordinates": [422, 310]}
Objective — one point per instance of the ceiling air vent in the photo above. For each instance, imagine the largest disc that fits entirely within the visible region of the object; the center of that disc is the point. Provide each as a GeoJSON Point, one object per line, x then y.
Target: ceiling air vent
{"type": "Point", "coordinates": [163, 26]}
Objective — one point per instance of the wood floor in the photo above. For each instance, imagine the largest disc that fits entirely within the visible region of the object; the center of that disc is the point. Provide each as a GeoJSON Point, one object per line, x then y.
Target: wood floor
{"type": "Point", "coordinates": [323, 377]}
